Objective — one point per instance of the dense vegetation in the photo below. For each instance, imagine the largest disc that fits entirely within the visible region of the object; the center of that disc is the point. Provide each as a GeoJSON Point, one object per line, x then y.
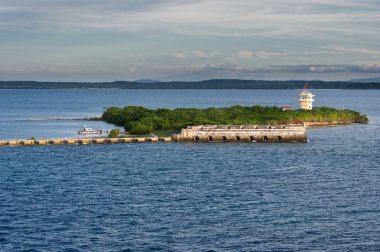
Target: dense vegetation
{"type": "Point", "coordinates": [140, 120]}
{"type": "Point", "coordinates": [207, 84]}
{"type": "Point", "coordinates": [114, 133]}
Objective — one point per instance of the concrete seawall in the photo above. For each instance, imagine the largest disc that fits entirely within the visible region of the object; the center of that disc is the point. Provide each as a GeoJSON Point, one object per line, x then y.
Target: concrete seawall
{"type": "Point", "coordinates": [203, 133]}
{"type": "Point", "coordinates": [243, 133]}
{"type": "Point", "coordinates": [77, 141]}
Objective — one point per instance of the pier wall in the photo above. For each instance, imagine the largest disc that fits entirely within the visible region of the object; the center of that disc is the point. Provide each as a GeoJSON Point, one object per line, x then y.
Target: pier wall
{"type": "Point", "coordinates": [203, 133]}
{"type": "Point", "coordinates": [242, 133]}
{"type": "Point", "coordinates": [78, 141]}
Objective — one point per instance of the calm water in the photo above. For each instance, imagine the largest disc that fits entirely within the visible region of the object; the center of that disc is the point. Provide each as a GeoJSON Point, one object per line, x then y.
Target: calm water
{"type": "Point", "coordinates": [323, 195]}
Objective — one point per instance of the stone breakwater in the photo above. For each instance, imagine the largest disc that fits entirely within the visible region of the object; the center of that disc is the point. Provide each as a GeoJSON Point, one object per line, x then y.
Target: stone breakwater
{"type": "Point", "coordinates": [243, 133]}
{"type": "Point", "coordinates": [73, 141]}
{"type": "Point", "coordinates": [202, 133]}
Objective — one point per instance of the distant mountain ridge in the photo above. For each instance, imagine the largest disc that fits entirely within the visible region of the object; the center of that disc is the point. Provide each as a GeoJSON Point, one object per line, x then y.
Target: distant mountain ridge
{"type": "Point", "coordinates": [146, 81]}
{"type": "Point", "coordinates": [368, 80]}
{"type": "Point", "coordinates": [207, 84]}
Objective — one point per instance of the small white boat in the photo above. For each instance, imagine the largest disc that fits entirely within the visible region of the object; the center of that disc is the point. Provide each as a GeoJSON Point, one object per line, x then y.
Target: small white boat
{"type": "Point", "coordinates": [89, 131]}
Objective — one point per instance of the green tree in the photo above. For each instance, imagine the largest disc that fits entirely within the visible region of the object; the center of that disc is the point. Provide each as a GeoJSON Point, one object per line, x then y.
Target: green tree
{"type": "Point", "coordinates": [139, 128]}
{"type": "Point", "coordinates": [114, 133]}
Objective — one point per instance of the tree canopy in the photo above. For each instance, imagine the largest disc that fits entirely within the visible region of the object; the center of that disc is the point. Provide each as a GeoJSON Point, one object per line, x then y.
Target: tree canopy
{"type": "Point", "coordinates": [140, 120]}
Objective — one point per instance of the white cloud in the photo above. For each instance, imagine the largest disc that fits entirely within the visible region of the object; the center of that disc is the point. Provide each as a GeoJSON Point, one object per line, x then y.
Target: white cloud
{"type": "Point", "coordinates": [260, 54]}
{"type": "Point", "coordinates": [196, 55]}
{"type": "Point", "coordinates": [219, 17]}
{"type": "Point", "coordinates": [200, 54]}
{"type": "Point", "coordinates": [133, 69]}
{"type": "Point", "coordinates": [178, 55]}
{"type": "Point", "coordinates": [246, 54]}
{"type": "Point", "coordinates": [207, 55]}
{"type": "Point", "coordinates": [365, 51]}
{"type": "Point", "coordinates": [337, 68]}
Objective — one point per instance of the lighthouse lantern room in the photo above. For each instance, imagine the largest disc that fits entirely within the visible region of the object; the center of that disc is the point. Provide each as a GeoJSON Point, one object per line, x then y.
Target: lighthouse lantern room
{"type": "Point", "coordinates": [306, 98]}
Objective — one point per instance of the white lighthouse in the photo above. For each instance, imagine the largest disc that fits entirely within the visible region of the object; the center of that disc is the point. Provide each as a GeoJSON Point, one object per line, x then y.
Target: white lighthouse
{"type": "Point", "coordinates": [306, 98]}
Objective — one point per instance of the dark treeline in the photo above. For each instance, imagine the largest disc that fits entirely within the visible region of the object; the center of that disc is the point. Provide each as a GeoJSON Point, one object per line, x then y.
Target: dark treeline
{"type": "Point", "coordinates": [140, 120]}
{"type": "Point", "coordinates": [208, 84]}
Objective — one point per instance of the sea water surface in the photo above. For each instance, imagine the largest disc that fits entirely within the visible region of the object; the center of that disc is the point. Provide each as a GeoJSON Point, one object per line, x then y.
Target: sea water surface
{"type": "Point", "coordinates": [319, 196]}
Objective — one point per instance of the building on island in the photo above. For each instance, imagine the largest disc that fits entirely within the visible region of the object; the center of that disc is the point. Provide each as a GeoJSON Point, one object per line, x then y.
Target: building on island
{"type": "Point", "coordinates": [286, 108]}
{"type": "Point", "coordinates": [306, 98]}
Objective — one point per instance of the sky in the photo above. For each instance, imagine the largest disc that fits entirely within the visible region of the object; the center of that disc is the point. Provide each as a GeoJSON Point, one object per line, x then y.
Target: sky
{"type": "Point", "coordinates": [188, 40]}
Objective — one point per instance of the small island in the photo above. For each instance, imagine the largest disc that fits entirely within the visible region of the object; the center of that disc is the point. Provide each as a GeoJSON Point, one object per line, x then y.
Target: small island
{"type": "Point", "coordinates": [255, 123]}
{"type": "Point", "coordinates": [138, 120]}
{"type": "Point", "coordinates": [227, 124]}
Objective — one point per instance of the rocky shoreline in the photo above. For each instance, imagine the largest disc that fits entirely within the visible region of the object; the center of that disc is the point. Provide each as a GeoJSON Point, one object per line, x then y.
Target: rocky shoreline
{"type": "Point", "coordinates": [328, 124]}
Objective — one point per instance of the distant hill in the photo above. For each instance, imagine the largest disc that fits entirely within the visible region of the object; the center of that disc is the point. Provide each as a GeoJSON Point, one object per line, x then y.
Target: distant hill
{"type": "Point", "coordinates": [146, 81]}
{"type": "Point", "coordinates": [368, 80]}
{"type": "Point", "coordinates": [207, 84]}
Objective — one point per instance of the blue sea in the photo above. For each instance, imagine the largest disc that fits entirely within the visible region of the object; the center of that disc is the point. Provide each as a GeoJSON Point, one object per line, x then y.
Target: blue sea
{"type": "Point", "coordinates": [323, 195]}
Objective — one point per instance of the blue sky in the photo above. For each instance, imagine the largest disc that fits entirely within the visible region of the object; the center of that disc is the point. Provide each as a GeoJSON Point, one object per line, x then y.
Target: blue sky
{"type": "Point", "coordinates": [93, 40]}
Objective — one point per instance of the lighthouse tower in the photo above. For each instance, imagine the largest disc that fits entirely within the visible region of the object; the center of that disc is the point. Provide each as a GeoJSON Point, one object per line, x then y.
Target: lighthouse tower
{"type": "Point", "coordinates": [306, 98]}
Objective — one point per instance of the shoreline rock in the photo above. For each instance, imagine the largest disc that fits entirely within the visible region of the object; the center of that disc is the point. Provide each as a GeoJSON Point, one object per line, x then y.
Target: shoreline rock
{"type": "Point", "coordinates": [328, 124]}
